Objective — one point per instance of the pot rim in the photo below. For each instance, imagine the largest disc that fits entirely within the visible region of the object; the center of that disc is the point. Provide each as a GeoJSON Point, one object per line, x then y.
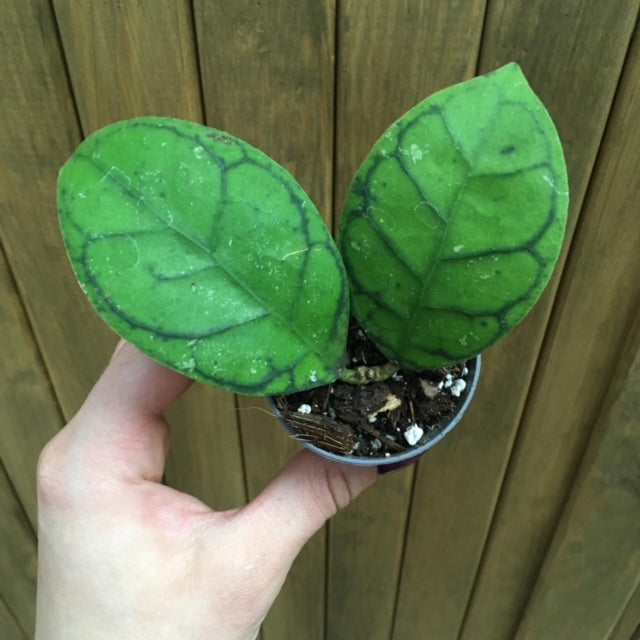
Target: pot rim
{"type": "Point", "coordinates": [397, 460]}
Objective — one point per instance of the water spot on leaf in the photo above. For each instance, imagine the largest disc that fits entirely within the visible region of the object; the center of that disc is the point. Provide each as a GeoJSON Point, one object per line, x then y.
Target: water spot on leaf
{"type": "Point", "coordinates": [415, 152]}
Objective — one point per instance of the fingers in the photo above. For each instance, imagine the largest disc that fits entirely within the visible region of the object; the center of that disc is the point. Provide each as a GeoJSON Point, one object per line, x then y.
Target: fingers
{"type": "Point", "coordinates": [304, 495]}
{"type": "Point", "coordinates": [120, 426]}
{"type": "Point", "coordinates": [135, 385]}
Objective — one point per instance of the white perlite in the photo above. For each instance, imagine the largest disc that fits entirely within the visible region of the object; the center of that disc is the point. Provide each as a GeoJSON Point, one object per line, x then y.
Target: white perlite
{"type": "Point", "coordinates": [304, 408]}
{"type": "Point", "coordinates": [458, 387]}
{"type": "Point", "coordinates": [413, 434]}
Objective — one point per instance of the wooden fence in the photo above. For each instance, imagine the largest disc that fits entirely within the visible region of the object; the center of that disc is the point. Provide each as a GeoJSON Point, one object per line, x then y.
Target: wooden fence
{"type": "Point", "coordinates": [524, 523]}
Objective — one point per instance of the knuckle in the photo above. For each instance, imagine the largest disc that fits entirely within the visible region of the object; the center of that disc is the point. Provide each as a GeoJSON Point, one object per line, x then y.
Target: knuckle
{"type": "Point", "coordinates": [50, 473]}
{"type": "Point", "coordinates": [340, 491]}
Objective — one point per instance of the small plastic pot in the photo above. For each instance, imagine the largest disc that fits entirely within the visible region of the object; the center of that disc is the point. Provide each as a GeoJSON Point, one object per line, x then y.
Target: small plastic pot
{"type": "Point", "coordinates": [400, 460]}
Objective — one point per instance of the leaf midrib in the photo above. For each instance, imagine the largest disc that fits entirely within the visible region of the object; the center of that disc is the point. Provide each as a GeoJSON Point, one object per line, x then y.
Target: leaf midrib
{"type": "Point", "coordinates": [436, 260]}
{"type": "Point", "coordinates": [139, 197]}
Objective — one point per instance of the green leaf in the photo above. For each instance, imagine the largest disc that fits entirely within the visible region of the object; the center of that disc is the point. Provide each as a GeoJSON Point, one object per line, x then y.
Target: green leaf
{"type": "Point", "coordinates": [455, 220]}
{"type": "Point", "coordinates": [205, 254]}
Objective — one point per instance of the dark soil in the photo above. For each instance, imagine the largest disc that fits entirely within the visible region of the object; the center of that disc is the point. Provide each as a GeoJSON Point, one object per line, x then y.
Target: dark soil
{"type": "Point", "coordinates": [371, 419]}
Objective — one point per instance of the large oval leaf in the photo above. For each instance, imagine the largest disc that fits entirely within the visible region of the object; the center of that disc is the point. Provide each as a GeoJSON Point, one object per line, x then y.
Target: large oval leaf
{"type": "Point", "coordinates": [206, 254]}
{"type": "Point", "coordinates": [455, 220]}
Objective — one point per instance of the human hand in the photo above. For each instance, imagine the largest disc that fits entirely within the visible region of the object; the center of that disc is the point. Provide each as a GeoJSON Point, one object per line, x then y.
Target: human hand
{"type": "Point", "coordinates": [122, 556]}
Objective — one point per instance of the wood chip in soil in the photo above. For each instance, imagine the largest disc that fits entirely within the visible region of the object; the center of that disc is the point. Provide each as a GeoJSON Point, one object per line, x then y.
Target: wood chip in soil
{"type": "Point", "coordinates": [371, 420]}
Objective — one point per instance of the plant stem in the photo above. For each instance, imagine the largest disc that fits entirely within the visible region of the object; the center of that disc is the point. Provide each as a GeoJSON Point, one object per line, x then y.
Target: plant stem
{"type": "Point", "coordinates": [363, 375]}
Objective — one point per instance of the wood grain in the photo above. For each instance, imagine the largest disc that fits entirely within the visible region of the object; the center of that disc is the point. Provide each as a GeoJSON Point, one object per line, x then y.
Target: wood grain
{"type": "Point", "coordinates": [593, 565]}
{"type": "Point", "coordinates": [390, 57]}
{"type": "Point", "coordinates": [299, 609]}
{"type": "Point", "coordinates": [459, 487]}
{"type": "Point", "coordinates": [628, 625]}
{"type": "Point", "coordinates": [205, 459]}
{"type": "Point", "coordinates": [366, 544]}
{"type": "Point", "coordinates": [268, 78]}
{"type": "Point", "coordinates": [596, 549]}
{"type": "Point", "coordinates": [586, 334]}
{"type": "Point", "coordinates": [9, 627]}
{"type": "Point", "coordinates": [151, 56]}
{"type": "Point", "coordinates": [130, 59]}
{"type": "Point", "coordinates": [17, 558]}
{"type": "Point", "coordinates": [39, 132]}
{"type": "Point", "coordinates": [30, 414]}
{"type": "Point", "coordinates": [267, 75]}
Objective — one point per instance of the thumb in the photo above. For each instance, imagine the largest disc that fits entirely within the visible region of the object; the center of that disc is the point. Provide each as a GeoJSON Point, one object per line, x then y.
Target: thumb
{"type": "Point", "coordinates": [306, 493]}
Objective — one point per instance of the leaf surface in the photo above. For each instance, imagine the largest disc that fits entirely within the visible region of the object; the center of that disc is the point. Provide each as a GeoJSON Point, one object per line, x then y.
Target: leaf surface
{"type": "Point", "coordinates": [205, 254]}
{"type": "Point", "coordinates": [455, 220]}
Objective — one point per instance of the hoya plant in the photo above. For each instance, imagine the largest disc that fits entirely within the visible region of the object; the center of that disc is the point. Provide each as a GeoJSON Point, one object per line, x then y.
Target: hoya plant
{"type": "Point", "coordinates": [208, 255]}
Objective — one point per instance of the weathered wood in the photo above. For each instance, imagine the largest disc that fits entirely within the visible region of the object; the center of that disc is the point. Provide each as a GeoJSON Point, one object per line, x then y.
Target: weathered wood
{"type": "Point", "coordinates": [366, 544]}
{"type": "Point", "coordinates": [457, 491]}
{"type": "Point", "coordinates": [30, 414]}
{"type": "Point", "coordinates": [39, 132]}
{"type": "Point", "coordinates": [9, 627]}
{"type": "Point", "coordinates": [585, 336]}
{"type": "Point", "coordinates": [17, 558]}
{"type": "Point", "coordinates": [628, 625]}
{"type": "Point", "coordinates": [205, 459]}
{"type": "Point", "coordinates": [390, 57]}
{"type": "Point", "coordinates": [299, 610]}
{"type": "Point", "coordinates": [267, 77]}
{"type": "Point", "coordinates": [130, 59]}
{"type": "Point", "coordinates": [150, 56]}
{"type": "Point", "coordinates": [593, 564]}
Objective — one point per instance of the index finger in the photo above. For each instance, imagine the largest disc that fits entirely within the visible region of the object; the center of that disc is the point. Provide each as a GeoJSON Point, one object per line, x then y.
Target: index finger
{"type": "Point", "coordinates": [120, 426]}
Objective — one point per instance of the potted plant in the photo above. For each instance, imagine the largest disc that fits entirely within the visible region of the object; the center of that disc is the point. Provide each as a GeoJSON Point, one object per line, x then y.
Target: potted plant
{"type": "Point", "coordinates": [209, 257]}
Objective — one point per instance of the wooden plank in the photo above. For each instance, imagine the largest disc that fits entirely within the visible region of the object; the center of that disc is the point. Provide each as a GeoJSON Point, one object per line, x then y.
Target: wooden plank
{"type": "Point", "coordinates": [38, 128]}
{"type": "Point", "coordinates": [39, 132]}
{"type": "Point", "coordinates": [299, 609]}
{"type": "Point", "coordinates": [30, 415]}
{"type": "Point", "coordinates": [628, 625]}
{"type": "Point", "coordinates": [151, 57]}
{"type": "Point", "coordinates": [130, 59]}
{"type": "Point", "coordinates": [587, 331]}
{"type": "Point", "coordinates": [267, 76]}
{"type": "Point", "coordinates": [390, 56]}
{"type": "Point", "coordinates": [17, 558]}
{"type": "Point", "coordinates": [205, 458]}
{"type": "Point", "coordinates": [366, 544]}
{"type": "Point", "coordinates": [458, 489]}
{"type": "Point", "coordinates": [9, 627]}
{"type": "Point", "coordinates": [593, 565]}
